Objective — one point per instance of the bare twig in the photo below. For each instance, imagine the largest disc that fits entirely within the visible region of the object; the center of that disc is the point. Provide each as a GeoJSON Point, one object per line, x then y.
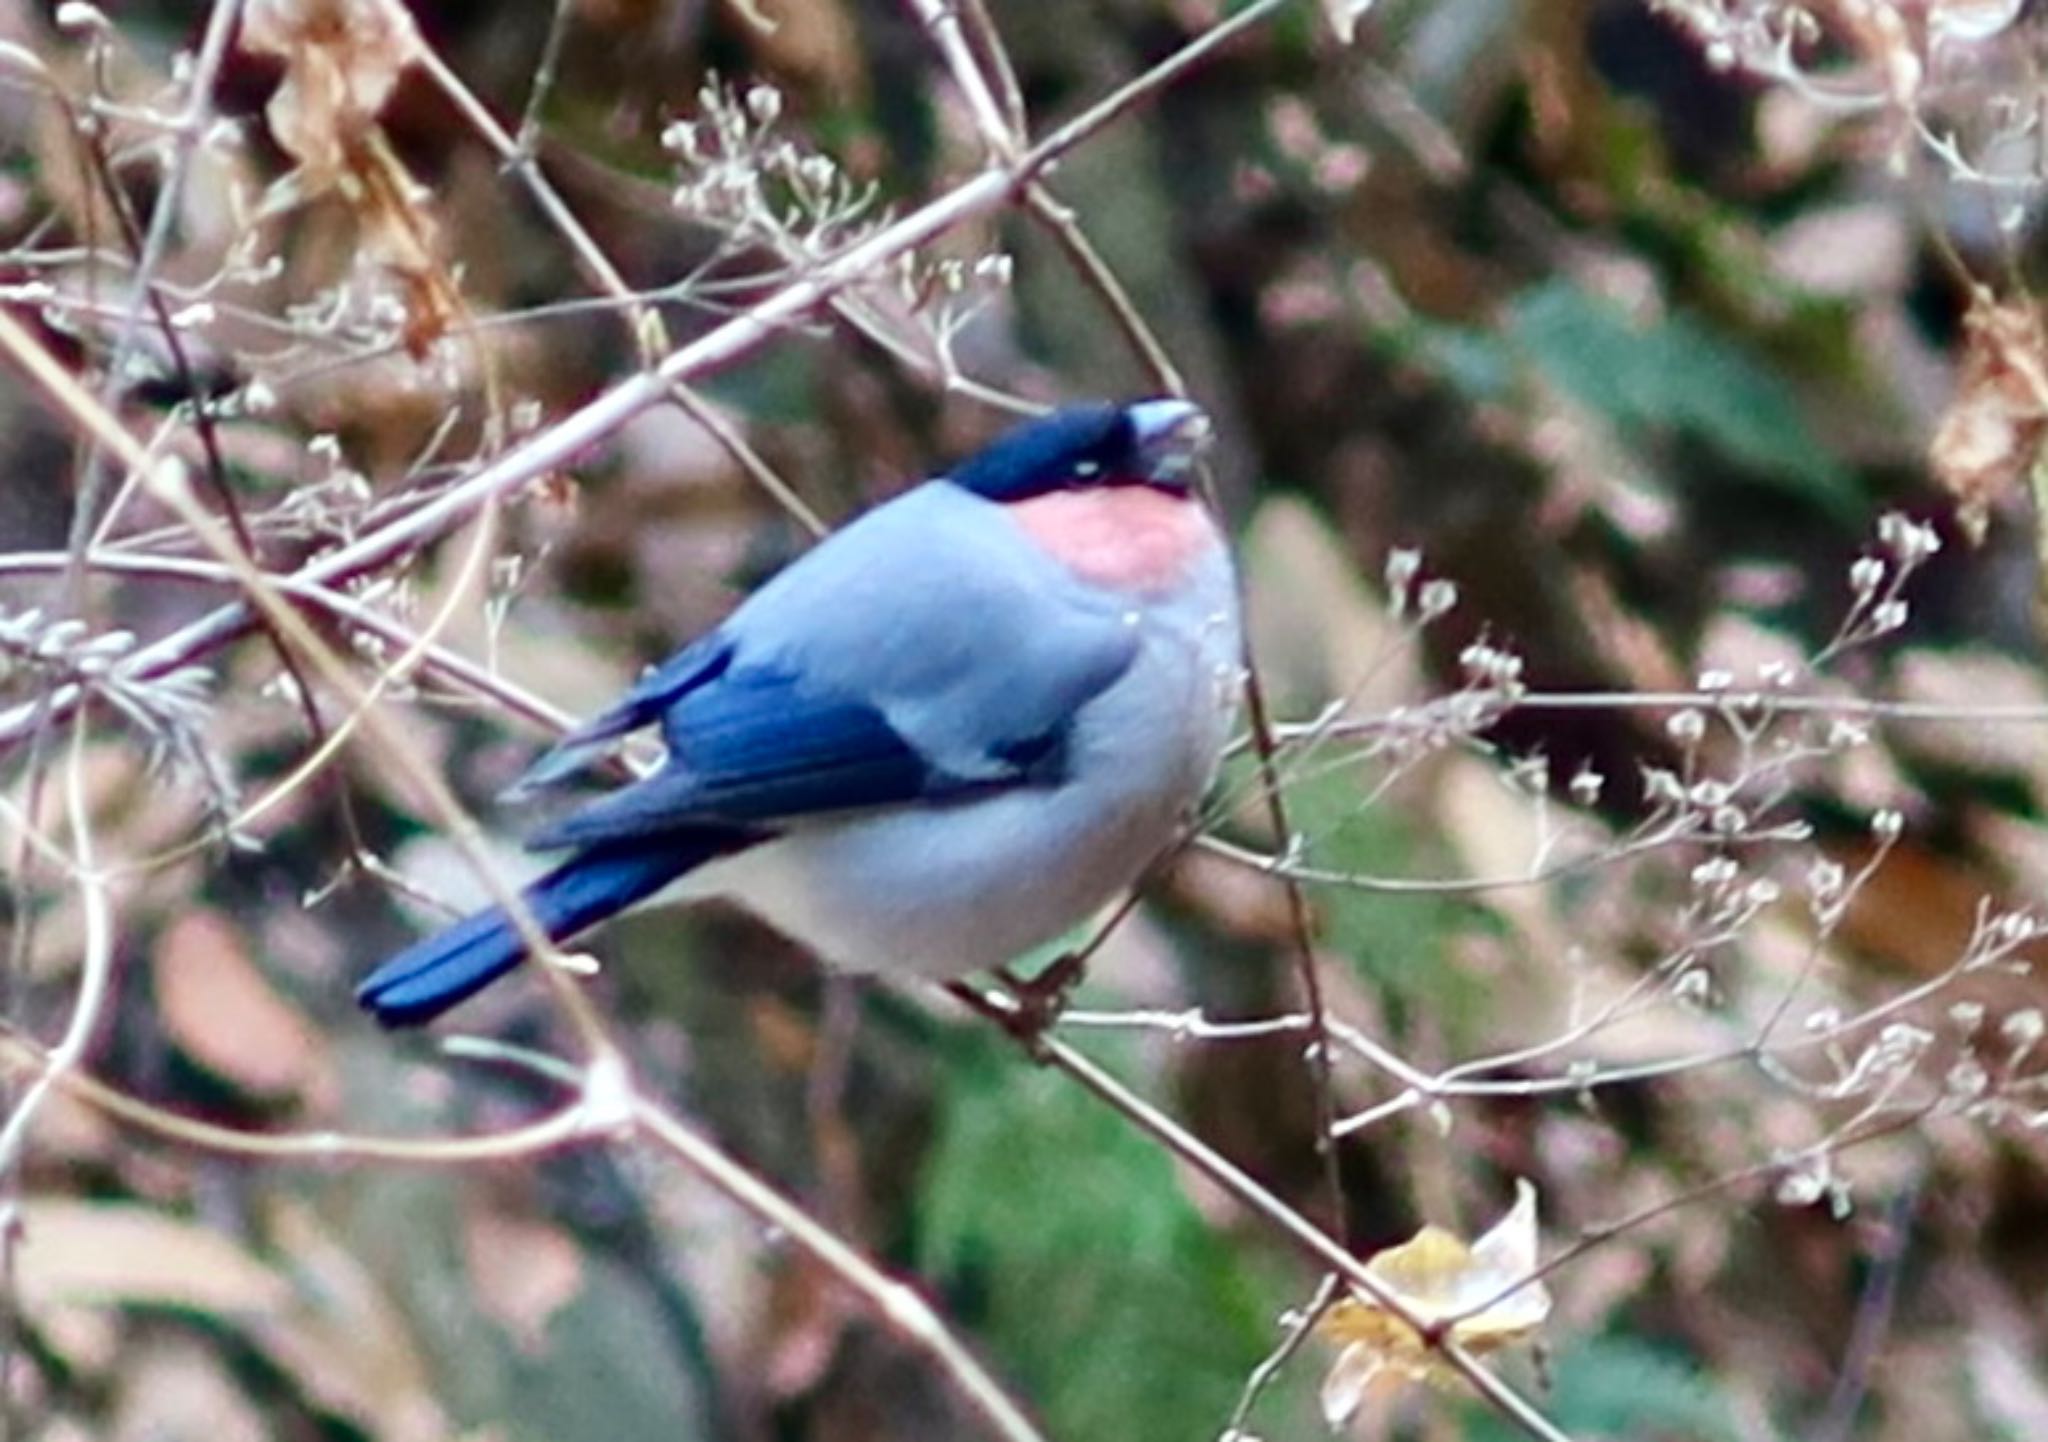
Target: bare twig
{"type": "Point", "coordinates": [95, 967]}
{"type": "Point", "coordinates": [1001, 130]}
{"type": "Point", "coordinates": [895, 1302]}
{"type": "Point", "coordinates": [1285, 1220]}
{"type": "Point", "coordinates": [561, 443]}
{"type": "Point", "coordinates": [168, 487]}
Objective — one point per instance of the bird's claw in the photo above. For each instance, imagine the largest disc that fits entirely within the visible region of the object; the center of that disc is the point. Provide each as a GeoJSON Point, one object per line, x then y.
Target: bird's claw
{"type": "Point", "coordinates": [1037, 1001]}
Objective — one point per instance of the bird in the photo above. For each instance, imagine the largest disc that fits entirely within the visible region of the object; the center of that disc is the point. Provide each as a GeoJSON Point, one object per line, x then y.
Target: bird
{"type": "Point", "coordinates": [946, 735]}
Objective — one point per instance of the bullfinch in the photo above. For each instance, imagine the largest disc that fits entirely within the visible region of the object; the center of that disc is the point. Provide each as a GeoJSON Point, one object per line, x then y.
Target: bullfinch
{"type": "Point", "coordinates": [949, 733]}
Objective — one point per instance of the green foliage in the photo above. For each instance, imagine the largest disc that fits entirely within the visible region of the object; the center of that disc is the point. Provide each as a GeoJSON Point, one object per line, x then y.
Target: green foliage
{"type": "Point", "coordinates": [609, 1361]}
{"type": "Point", "coordinates": [1672, 375]}
{"type": "Point", "coordinates": [608, 1367]}
{"type": "Point", "coordinates": [1067, 1241]}
{"type": "Point", "coordinates": [1619, 1387]}
{"type": "Point", "coordinates": [1395, 940]}
{"type": "Point", "coordinates": [1675, 374]}
{"type": "Point", "coordinates": [1472, 360]}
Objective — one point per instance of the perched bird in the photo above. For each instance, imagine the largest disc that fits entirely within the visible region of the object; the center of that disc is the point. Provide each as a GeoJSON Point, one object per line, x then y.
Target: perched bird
{"type": "Point", "coordinates": [952, 731]}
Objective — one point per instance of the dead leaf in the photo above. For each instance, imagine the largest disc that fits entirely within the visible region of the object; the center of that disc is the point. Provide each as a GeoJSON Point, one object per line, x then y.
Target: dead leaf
{"type": "Point", "coordinates": [1479, 1289]}
{"type": "Point", "coordinates": [1319, 633]}
{"type": "Point", "coordinates": [343, 58]}
{"type": "Point", "coordinates": [1846, 251]}
{"type": "Point", "coordinates": [807, 1326]}
{"type": "Point", "coordinates": [224, 1014]}
{"type": "Point", "coordinates": [348, 1344]}
{"type": "Point", "coordinates": [1971, 21]}
{"type": "Point", "coordinates": [115, 1253]}
{"type": "Point", "coordinates": [180, 1391]}
{"type": "Point", "coordinates": [521, 1271]}
{"type": "Point", "coordinates": [1343, 16]}
{"type": "Point", "coordinates": [342, 61]}
{"type": "Point", "coordinates": [1987, 440]}
{"type": "Point", "coordinates": [1966, 677]}
{"type": "Point", "coordinates": [815, 43]}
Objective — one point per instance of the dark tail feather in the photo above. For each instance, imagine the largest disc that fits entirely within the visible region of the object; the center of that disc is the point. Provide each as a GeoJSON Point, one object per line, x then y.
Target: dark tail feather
{"type": "Point", "coordinates": [430, 976]}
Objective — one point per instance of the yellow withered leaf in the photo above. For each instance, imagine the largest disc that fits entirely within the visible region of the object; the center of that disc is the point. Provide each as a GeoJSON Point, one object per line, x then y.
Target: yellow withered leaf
{"type": "Point", "coordinates": [1478, 1291]}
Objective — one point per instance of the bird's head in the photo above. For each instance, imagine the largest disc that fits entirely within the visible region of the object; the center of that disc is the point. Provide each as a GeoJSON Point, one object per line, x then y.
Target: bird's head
{"type": "Point", "coordinates": [1105, 490]}
{"type": "Point", "coordinates": [1150, 443]}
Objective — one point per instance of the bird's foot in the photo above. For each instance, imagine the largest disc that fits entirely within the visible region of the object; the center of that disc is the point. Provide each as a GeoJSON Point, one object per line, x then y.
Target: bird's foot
{"type": "Point", "coordinates": [1041, 998]}
{"type": "Point", "coordinates": [1028, 1006]}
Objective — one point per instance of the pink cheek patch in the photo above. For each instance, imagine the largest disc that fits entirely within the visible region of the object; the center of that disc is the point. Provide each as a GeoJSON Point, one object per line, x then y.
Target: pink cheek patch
{"type": "Point", "coordinates": [1126, 538]}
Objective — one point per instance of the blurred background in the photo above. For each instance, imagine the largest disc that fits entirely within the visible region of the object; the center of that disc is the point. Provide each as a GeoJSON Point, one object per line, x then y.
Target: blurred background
{"type": "Point", "coordinates": [1644, 790]}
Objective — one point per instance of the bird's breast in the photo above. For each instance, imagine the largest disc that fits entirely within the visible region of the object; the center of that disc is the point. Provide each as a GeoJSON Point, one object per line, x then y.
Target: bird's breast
{"type": "Point", "coordinates": [1126, 538]}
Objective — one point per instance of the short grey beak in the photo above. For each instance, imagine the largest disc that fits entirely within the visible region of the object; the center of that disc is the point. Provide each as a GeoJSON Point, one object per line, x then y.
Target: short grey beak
{"type": "Point", "coordinates": [1167, 435]}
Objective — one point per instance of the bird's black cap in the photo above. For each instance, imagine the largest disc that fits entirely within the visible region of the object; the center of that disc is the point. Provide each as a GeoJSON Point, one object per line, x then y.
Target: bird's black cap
{"type": "Point", "coordinates": [1145, 443]}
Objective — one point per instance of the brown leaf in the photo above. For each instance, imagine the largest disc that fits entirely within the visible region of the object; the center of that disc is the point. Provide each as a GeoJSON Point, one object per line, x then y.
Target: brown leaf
{"type": "Point", "coordinates": [1319, 633]}
{"type": "Point", "coordinates": [224, 1014]}
{"type": "Point", "coordinates": [814, 42]}
{"type": "Point", "coordinates": [179, 1389]}
{"type": "Point", "coordinates": [1988, 438]}
{"type": "Point", "coordinates": [120, 1253]}
{"type": "Point", "coordinates": [1962, 677]}
{"type": "Point", "coordinates": [1342, 16]}
{"type": "Point", "coordinates": [522, 1272]}
{"type": "Point", "coordinates": [1481, 1290]}
{"type": "Point", "coordinates": [342, 61]}
{"type": "Point", "coordinates": [348, 1344]}
{"type": "Point", "coordinates": [1970, 21]}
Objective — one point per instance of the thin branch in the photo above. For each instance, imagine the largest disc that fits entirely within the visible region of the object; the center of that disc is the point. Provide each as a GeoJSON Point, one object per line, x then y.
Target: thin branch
{"type": "Point", "coordinates": [560, 444]}
{"type": "Point", "coordinates": [1058, 220]}
{"type": "Point", "coordinates": [897, 1303]}
{"type": "Point", "coordinates": [167, 485]}
{"type": "Point", "coordinates": [434, 657]}
{"type": "Point", "coordinates": [999, 131]}
{"type": "Point", "coordinates": [96, 965]}
{"type": "Point", "coordinates": [185, 131]}
{"type": "Point", "coordinates": [1300, 1327]}
{"type": "Point", "coordinates": [1306, 1237]}
{"type": "Point", "coordinates": [1874, 1308]}
{"type": "Point", "coordinates": [568, 1124]}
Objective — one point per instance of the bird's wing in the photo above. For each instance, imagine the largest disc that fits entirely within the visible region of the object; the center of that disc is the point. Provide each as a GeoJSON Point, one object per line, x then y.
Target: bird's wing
{"type": "Point", "coordinates": [940, 612]}
{"type": "Point", "coordinates": [858, 678]}
{"type": "Point", "coordinates": [761, 748]}
{"type": "Point", "coordinates": [699, 662]}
